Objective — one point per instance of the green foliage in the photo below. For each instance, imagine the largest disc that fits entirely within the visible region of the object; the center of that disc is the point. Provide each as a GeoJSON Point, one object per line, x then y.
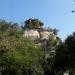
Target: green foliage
{"type": "Point", "coordinates": [65, 55]}
{"type": "Point", "coordinates": [9, 29]}
{"type": "Point", "coordinates": [32, 24]}
{"type": "Point", "coordinates": [3, 26]}
{"type": "Point", "coordinates": [62, 57]}
{"type": "Point", "coordinates": [17, 54]}
{"type": "Point", "coordinates": [70, 42]}
{"type": "Point", "coordinates": [20, 56]}
{"type": "Point", "coordinates": [55, 31]}
{"type": "Point", "coordinates": [48, 63]}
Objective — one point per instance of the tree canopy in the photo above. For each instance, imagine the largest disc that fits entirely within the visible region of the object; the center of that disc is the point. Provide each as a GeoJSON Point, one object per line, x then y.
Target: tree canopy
{"type": "Point", "coordinates": [33, 23]}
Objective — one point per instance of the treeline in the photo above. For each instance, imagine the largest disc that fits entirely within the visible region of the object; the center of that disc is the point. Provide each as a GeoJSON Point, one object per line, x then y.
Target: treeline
{"type": "Point", "coordinates": [19, 56]}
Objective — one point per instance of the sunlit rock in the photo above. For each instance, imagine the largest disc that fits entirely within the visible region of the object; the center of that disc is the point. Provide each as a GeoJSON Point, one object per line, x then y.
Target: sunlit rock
{"type": "Point", "coordinates": [45, 35]}
{"type": "Point", "coordinates": [31, 34]}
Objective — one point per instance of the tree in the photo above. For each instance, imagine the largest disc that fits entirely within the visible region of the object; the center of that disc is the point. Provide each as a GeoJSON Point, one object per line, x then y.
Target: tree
{"type": "Point", "coordinates": [3, 26]}
{"type": "Point", "coordinates": [65, 56]}
{"type": "Point", "coordinates": [61, 59]}
{"type": "Point", "coordinates": [32, 24]}
{"type": "Point", "coordinates": [55, 31]}
{"type": "Point", "coordinates": [15, 30]}
{"type": "Point", "coordinates": [70, 42]}
{"type": "Point", "coordinates": [10, 29]}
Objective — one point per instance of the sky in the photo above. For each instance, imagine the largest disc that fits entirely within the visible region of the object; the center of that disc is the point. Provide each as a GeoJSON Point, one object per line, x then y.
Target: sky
{"type": "Point", "coordinates": [53, 13]}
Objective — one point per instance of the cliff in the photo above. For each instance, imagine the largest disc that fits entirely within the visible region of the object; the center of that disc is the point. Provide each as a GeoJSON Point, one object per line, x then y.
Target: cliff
{"type": "Point", "coordinates": [35, 34]}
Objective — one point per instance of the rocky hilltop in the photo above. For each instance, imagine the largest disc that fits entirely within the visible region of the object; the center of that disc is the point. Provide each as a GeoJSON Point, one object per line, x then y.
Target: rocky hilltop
{"type": "Point", "coordinates": [35, 31]}
{"type": "Point", "coordinates": [35, 34]}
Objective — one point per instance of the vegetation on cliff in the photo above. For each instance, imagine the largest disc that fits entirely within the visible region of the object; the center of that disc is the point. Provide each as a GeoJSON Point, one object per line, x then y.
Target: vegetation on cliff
{"type": "Point", "coordinates": [20, 56]}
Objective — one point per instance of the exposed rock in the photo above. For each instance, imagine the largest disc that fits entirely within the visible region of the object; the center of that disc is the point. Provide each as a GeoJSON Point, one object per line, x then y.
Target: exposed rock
{"type": "Point", "coordinates": [31, 34]}
{"type": "Point", "coordinates": [34, 34]}
{"type": "Point", "coordinates": [40, 38]}
{"type": "Point", "coordinates": [45, 35]}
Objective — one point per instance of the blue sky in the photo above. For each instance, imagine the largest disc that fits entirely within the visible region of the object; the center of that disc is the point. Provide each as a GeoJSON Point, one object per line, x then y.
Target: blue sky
{"type": "Point", "coordinates": [54, 13]}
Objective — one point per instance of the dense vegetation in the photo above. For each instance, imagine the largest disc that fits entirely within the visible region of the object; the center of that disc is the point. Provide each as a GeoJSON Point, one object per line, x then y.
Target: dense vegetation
{"type": "Point", "coordinates": [20, 56]}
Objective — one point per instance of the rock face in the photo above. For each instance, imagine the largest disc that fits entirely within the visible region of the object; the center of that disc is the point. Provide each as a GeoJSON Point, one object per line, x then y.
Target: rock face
{"type": "Point", "coordinates": [40, 37]}
{"type": "Point", "coordinates": [31, 34]}
{"type": "Point", "coordinates": [34, 34]}
{"type": "Point", "coordinates": [45, 35]}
